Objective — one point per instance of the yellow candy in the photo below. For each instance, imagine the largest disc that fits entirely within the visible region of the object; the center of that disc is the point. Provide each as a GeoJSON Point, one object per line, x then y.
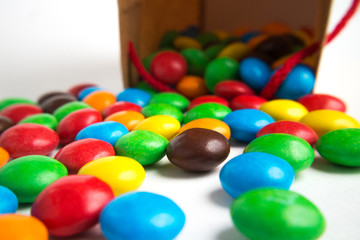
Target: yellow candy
{"type": "Point", "coordinates": [184, 42]}
{"type": "Point", "coordinates": [235, 51]}
{"type": "Point", "coordinates": [222, 35]}
{"type": "Point", "coordinates": [208, 123]}
{"type": "Point", "coordinates": [323, 121]}
{"type": "Point", "coordinates": [283, 109]}
{"type": "Point", "coordinates": [163, 125]}
{"type": "Point", "coordinates": [122, 174]}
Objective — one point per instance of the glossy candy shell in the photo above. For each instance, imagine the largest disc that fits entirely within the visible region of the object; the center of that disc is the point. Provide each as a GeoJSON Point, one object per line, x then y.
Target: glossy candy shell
{"type": "Point", "coordinates": [283, 109]}
{"type": "Point", "coordinates": [318, 101]}
{"type": "Point", "coordinates": [120, 106]}
{"type": "Point", "coordinates": [174, 99]}
{"type": "Point", "coordinates": [231, 88]}
{"type": "Point", "coordinates": [166, 126]}
{"type": "Point", "coordinates": [208, 123]}
{"type": "Point", "coordinates": [207, 110]}
{"type": "Point", "coordinates": [18, 112]}
{"type": "Point", "coordinates": [8, 201]}
{"type": "Point", "coordinates": [134, 95]}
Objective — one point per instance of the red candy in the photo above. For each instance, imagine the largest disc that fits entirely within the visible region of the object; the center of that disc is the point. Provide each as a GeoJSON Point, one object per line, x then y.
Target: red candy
{"type": "Point", "coordinates": [168, 67]}
{"type": "Point", "coordinates": [75, 90]}
{"type": "Point", "coordinates": [322, 101]}
{"type": "Point", "coordinates": [231, 88]}
{"type": "Point", "coordinates": [208, 99]}
{"type": "Point", "coordinates": [120, 106]}
{"type": "Point", "coordinates": [17, 112]}
{"type": "Point", "coordinates": [246, 101]}
{"type": "Point", "coordinates": [29, 139]}
{"type": "Point", "coordinates": [71, 204]}
{"type": "Point", "coordinates": [74, 122]}
{"type": "Point", "coordinates": [294, 128]}
{"type": "Point", "coordinates": [78, 153]}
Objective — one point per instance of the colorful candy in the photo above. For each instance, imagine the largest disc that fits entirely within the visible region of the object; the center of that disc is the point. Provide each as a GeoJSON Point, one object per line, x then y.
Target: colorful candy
{"type": "Point", "coordinates": [5, 123]}
{"type": "Point", "coordinates": [183, 42]}
{"type": "Point", "coordinates": [166, 126]}
{"type": "Point", "coordinates": [75, 90]}
{"type": "Point", "coordinates": [50, 104]}
{"type": "Point", "coordinates": [283, 109]}
{"type": "Point", "coordinates": [196, 61]}
{"type": "Point", "coordinates": [130, 119]}
{"type": "Point", "coordinates": [68, 108]}
{"type": "Point", "coordinates": [236, 51]}
{"type": "Point", "coordinates": [4, 157]}
{"type": "Point", "coordinates": [231, 88]}
{"type": "Point", "coordinates": [18, 112]}
{"type": "Point", "coordinates": [246, 101]}
{"type": "Point", "coordinates": [44, 119]}
{"type": "Point", "coordinates": [134, 95]}
{"type": "Point", "coordinates": [208, 99]}
{"type": "Point", "coordinates": [192, 86]}
{"type": "Point", "coordinates": [208, 123]}
{"type": "Point", "coordinates": [8, 201]}
{"type": "Point", "coordinates": [100, 100]}
{"type": "Point", "coordinates": [120, 106]}
{"type": "Point", "coordinates": [174, 99]}
{"type": "Point", "coordinates": [7, 102]}
{"type": "Point", "coordinates": [317, 101]}
{"type": "Point", "coordinates": [254, 72]}
{"type": "Point", "coordinates": [87, 91]}
{"type": "Point", "coordinates": [162, 109]}
{"type": "Point", "coordinates": [207, 110]}
{"type": "Point", "coordinates": [48, 95]}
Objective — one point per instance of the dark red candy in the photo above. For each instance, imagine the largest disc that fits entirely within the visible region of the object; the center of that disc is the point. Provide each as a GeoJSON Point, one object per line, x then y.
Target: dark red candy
{"type": "Point", "coordinates": [71, 204]}
{"type": "Point", "coordinates": [198, 149]}
{"type": "Point", "coordinates": [29, 139]}
{"type": "Point", "coordinates": [294, 128]}
{"type": "Point", "coordinates": [246, 101]}
{"type": "Point", "coordinates": [76, 89]}
{"type": "Point", "coordinates": [231, 88]}
{"type": "Point", "coordinates": [5, 123]}
{"type": "Point", "coordinates": [120, 106]}
{"type": "Point", "coordinates": [78, 153]}
{"type": "Point", "coordinates": [319, 101]}
{"type": "Point", "coordinates": [72, 124]}
{"type": "Point", "coordinates": [48, 95]}
{"type": "Point", "coordinates": [50, 104]}
{"type": "Point", "coordinates": [208, 99]}
{"type": "Point", "coordinates": [18, 112]}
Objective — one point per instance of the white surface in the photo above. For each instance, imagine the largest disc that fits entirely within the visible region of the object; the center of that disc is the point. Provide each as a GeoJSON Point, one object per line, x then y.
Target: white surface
{"type": "Point", "coordinates": [50, 45]}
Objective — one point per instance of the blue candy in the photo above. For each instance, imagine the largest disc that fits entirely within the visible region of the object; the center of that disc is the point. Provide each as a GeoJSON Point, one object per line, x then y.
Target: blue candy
{"type": "Point", "coordinates": [108, 131]}
{"type": "Point", "coordinates": [8, 201]}
{"type": "Point", "coordinates": [247, 36]}
{"type": "Point", "coordinates": [87, 91]}
{"type": "Point", "coordinates": [245, 123]}
{"type": "Point", "coordinates": [141, 215]}
{"type": "Point", "coordinates": [254, 72]}
{"type": "Point", "coordinates": [134, 95]}
{"type": "Point", "coordinates": [254, 170]}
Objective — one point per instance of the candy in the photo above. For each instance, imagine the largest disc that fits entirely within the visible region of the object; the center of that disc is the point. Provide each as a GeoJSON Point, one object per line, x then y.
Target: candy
{"type": "Point", "coordinates": [71, 125]}
{"type": "Point", "coordinates": [78, 153]}
{"type": "Point", "coordinates": [75, 90]}
{"type": "Point", "coordinates": [213, 51]}
{"type": "Point", "coordinates": [207, 110]}
{"type": "Point", "coordinates": [87, 91]}
{"type": "Point", "coordinates": [147, 216]}
{"type": "Point", "coordinates": [29, 139]}
{"type": "Point", "coordinates": [146, 87]}
{"type": "Point", "coordinates": [196, 61]}
{"type": "Point", "coordinates": [71, 204]}
{"type": "Point", "coordinates": [270, 214]}
{"type": "Point", "coordinates": [134, 95]}
{"type": "Point", "coordinates": [108, 131]}
{"type": "Point", "coordinates": [341, 146]}
{"type": "Point", "coordinates": [162, 109]}
{"type": "Point", "coordinates": [244, 124]}
{"type": "Point", "coordinates": [17, 227]}
{"type": "Point", "coordinates": [207, 99]}
{"type": "Point", "coordinates": [168, 39]}
{"type": "Point", "coordinates": [275, 46]}
{"type": "Point", "coordinates": [183, 42]}
{"type": "Point", "coordinates": [174, 99]}
{"type": "Point", "coordinates": [100, 100]}
{"type": "Point", "coordinates": [208, 38]}
{"type": "Point", "coordinates": [236, 51]}
{"type": "Point", "coordinates": [198, 150]}
{"type": "Point", "coordinates": [28, 176]}
{"type": "Point", "coordinates": [4, 157]}
{"type": "Point", "coordinates": [8, 201]}
{"type": "Point", "coordinates": [208, 123]}
{"type": "Point", "coordinates": [130, 119]}
{"type": "Point", "coordinates": [5, 123]}
{"type": "Point", "coordinates": [231, 88]}
{"type": "Point", "coordinates": [292, 149]}
{"type": "Point", "coordinates": [317, 101]}
{"type": "Point", "coordinates": [283, 109]}
{"type": "Point", "coordinates": [17, 112]}
{"type": "Point", "coordinates": [166, 126]}
{"type": "Point", "coordinates": [122, 174]}
{"type": "Point", "coordinates": [48, 95]}
{"type": "Point", "coordinates": [192, 86]}
{"type": "Point", "coordinates": [144, 146]}
{"type": "Point", "coordinates": [44, 119]}
{"type": "Point", "coordinates": [323, 121]}
{"type": "Point", "coordinates": [7, 102]}
{"type": "Point", "coordinates": [120, 106]}
{"type": "Point", "coordinates": [294, 128]}
{"type": "Point", "coordinates": [68, 108]}
{"type": "Point", "coordinates": [254, 72]}
{"type": "Point", "coordinates": [246, 101]}
{"type": "Point", "coordinates": [50, 104]}
{"type": "Point", "coordinates": [255, 170]}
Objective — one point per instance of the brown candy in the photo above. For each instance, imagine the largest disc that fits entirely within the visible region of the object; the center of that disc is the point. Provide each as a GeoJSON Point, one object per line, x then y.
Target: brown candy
{"type": "Point", "coordinates": [198, 150]}
{"type": "Point", "coordinates": [48, 95]}
{"type": "Point", "coordinates": [275, 46]}
{"type": "Point", "coordinates": [5, 123]}
{"type": "Point", "coordinates": [52, 103]}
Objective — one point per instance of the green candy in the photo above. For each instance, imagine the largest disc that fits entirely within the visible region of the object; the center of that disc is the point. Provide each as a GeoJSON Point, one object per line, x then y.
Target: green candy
{"type": "Point", "coordinates": [341, 146]}
{"type": "Point", "coordinates": [213, 51]}
{"type": "Point", "coordinates": [44, 119]}
{"type": "Point", "coordinates": [196, 61]}
{"type": "Point", "coordinates": [162, 109]}
{"type": "Point", "coordinates": [219, 70]}
{"type": "Point", "coordinates": [28, 176]}
{"type": "Point", "coordinates": [68, 108]}
{"type": "Point", "coordinates": [174, 99]}
{"type": "Point", "coordinates": [168, 39]}
{"type": "Point", "coordinates": [207, 110]}
{"type": "Point", "coordinates": [207, 38]}
{"type": "Point", "coordinates": [296, 151]}
{"type": "Point", "coordinates": [276, 214]}
{"type": "Point", "coordinates": [144, 146]}
{"type": "Point", "coordinates": [147, 88]}
{"type": "Point", "coordinates": [148, 59]}
{"type": "Point", "coordinates": [13, 100]}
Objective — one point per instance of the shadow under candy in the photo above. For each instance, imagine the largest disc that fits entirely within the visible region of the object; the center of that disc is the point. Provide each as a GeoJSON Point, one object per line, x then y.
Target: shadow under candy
{"type": "Point", "coordinates": [230, 233]}
{"type": "Point", "coordinates": [221, 198]}
{"type": "Point", "coordinates": [324, 165]}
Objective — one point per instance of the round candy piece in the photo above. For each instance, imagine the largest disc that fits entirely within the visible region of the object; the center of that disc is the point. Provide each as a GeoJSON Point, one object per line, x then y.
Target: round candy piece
{"type": "Point", "coordinates": [100, 100]}
{"type": "Point", "coordinates": [341, 146]}
{"type": "Point", "coordinates": [5, 123]}
{"type": "Point", "coordinates": [283, 109]}
{"type": "Point", "coordinates": [87, 91]}
{"type": "Point", "coordinates": [130, 119]}
{"type": "Point", "coordinates": [28, 176]}
{"type": "Point", "coordinates": [4, 157]}
{"type": "Point", "coordinates": [198, 150]}
{"type": "Point", "coordinates": [18, 112]}
{"type": "Point", "coordinates": [148, 216]}
{"type": "Point", "coordinates": [208, 123]}
{"type": "Point", "coordinates": [78, 153]}
{"type": "Point", "coordinates": [192, 86]}
{"type": "Point", "coordinates": [207, 110]}
{"type": "Point", "coordinates": [120, 106]}
{"type": "Point", "coordinates": [213, 51]}
{"type": "Point", "coordinates": [29, 139]}
{"type": "Point", "coordinates": [174, 99]}
{"type": "Point", "coordinates": [144, 146]}
{"type": "Point", "coordinates": [168, 39]}
{"type": "Point", "coordinates": [162, 109]}
{"type": "Point", "coordinates": [317, 101]}
{"type": "Point", "coordinates": [236, 51]}
{"type": "Point", "coordinates": [208, 99]}
{"type": "Point", "coordinates": [68, 108]}
{"type": "Point", "coordinates": [71, 204]}
{"type": "Point", "coordinates": [49, 105]}
{"type": "Point", "coordinates": [184, 42]}
{"type": "Point", "coordinates": [122, 174]}
{"type": "Point", "coordinates": [134, 95]}
{"type": "Point", "coordinates": [76, 89]}
{"type": "Point", "coordinates": [323, 121]}
{"type": "Point", "coordinates": [108, 131]}
{"type": "Point", "coordinates": [279, 214]}
{"type": "Point", "coordinates": [275, 46]}
{"type": "Point", "coordinates": [44, 119]}
{"type": "Point", "coordinates": [246, 101]}
{"type": "Point", "coordinates": [231, 88]}
{"type": "Point", "coordinates": [16, 227]}
{"type": "Point", "coordinates": [7, 102]}
{"type": "Point", "coordinates": [254, 170]}
{"type": "Point", "coordinates": [292, 149]}
{"type": "Point", "coordinates": [166, 126]}
{"type": "Point", "coordinates": [254, 72]}
{"type": "Point", "coordinates": [146, 87]}
{"type": "Point", "coordinates": [219, 70]}
{"type": "Point", "coordinates": [48, 95]}
{"type": "Point", "coordinates": [168, 67]}
{"type": "Point", "coordinates": [294, 128]}
{"type": "Point", "coordinates": [8, 201]}
{"type": "Point", "coordinates": [196, 61]}
{"type": "Point", "coordinates": [245, 124]}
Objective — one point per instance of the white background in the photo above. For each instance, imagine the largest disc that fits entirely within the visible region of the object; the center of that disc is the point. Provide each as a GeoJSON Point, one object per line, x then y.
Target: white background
{"type": "Point", "coordinates": [50, 45]}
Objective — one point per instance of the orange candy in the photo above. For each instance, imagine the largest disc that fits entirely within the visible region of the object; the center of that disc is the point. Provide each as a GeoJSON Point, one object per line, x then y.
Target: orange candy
{"type": "Point", "coordinates": [254, 41]}
{"type": "Point", "coordinates": [192, 86]}
{"type": "Point", "coordinates": [128, 118]}
{"type": "Point", "coordinates": [276, 28]}
{"type": "Point", "coordinates": [21, 227]}
{"type": "Point", "coordinates": [4, 157]}
{"type": "Point", "coordinates": [208, 123]}
{"type": "Point", "coordinates": [100, 100]}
